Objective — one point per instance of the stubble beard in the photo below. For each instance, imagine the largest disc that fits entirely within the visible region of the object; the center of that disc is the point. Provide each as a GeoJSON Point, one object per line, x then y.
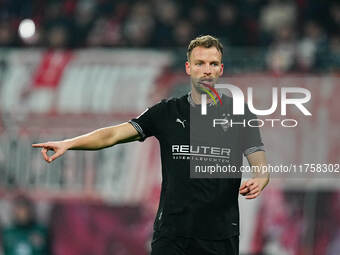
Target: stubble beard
{"type": "Point", "coordinates": [198, 84]}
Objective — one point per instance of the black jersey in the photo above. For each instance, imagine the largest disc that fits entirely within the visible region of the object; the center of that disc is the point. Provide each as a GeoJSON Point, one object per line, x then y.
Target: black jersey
{"type": "Point", "coordinates": [205, 208]}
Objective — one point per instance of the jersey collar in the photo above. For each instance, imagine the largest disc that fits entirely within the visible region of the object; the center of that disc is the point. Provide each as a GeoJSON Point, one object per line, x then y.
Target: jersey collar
{"type": "Point", "coordinates": [193, 104]}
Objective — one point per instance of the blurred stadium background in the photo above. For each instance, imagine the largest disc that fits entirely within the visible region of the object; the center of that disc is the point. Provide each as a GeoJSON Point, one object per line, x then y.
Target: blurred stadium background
{"type": "Point", "coordinates": [70, 66]}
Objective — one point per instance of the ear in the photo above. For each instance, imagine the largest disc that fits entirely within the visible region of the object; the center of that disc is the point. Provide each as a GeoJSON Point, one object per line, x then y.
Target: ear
{"type": "Point", "coordinates": [187, 68]}
{"type": "Point", "coordinates": [221, 71]}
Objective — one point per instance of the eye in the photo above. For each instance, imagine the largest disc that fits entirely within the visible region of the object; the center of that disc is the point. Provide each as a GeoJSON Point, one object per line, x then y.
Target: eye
{"type": "Point", "coordinates": [198, 64]}
{"type": "Point", "coordinates": [214, 64]}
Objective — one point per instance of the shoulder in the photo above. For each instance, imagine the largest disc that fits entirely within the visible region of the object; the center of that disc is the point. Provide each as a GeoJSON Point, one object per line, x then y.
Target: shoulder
{"type": "Point", "coordinates": [8, 230]}
{"type": "Point", "coordinates": [172, 101]}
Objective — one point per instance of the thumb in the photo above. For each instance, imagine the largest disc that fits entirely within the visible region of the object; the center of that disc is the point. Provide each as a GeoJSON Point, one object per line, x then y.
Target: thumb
{"type": "Point", "coordinates": [244, 185]}
{"type": "Point", "coordinates": [56, 155]}
{"type": "Point", "coordinates": [244, 189]}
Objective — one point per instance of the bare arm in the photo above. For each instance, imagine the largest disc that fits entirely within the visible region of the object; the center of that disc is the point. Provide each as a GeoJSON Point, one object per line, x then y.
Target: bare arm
{"type": "Point", "coordinates": [103, 137]}
{"type": "Point", "coordinates": [98, 139]}
{"type": "Point", "coordinates": [253, 187]}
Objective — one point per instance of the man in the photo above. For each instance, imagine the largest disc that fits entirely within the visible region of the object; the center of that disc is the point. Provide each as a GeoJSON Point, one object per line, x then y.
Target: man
{"type": "Point", "coordinates": [25, 236]}
{"type": "Point", "coordinates": [195, 215]}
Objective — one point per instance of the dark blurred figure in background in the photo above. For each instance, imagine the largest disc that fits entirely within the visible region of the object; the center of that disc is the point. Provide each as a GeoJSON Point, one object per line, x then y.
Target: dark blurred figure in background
{"type": "Point", "coordinates": [7, 35]}
{"type": "Point", "coordinates": [230, 26]}
{"type": "Point", "coordinates": [282, 52]}
{"type": "Point", "coordinates": [183, 32]}
{"type": "Point", "coordinates": [312, 48]}
{"type": "Point", "coordinates": [25, 236]}
{"type": "Point", "coordinates": [139, 25]}
{"type": "Point", "coordinates": [166, 20]}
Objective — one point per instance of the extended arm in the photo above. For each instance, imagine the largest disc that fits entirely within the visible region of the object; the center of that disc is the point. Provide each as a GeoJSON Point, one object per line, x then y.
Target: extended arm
{"type": "Point", "coordinates": [98, 139]}
{"type": "Point", "coordinates": [253, 187]}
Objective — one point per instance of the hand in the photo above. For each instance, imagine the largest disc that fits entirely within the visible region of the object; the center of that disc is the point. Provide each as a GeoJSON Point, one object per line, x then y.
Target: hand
{"type": "Point", "coordinates": [59, 149]}
{"type": "Point", "coordinates": [252, 188]}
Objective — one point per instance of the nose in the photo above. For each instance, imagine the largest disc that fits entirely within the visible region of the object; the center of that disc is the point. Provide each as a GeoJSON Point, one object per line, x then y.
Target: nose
{"type": "Point", "coordinates": [207, 69]}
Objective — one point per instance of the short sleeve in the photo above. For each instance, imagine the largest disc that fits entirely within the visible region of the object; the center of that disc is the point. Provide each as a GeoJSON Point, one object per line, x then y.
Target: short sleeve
{"type": "Point", "coordinates": [251, 136]}
{"type": "Point", "coordinates": [146, 124]}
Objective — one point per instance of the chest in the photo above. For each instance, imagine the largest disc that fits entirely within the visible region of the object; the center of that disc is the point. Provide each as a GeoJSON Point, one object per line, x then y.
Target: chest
{"type": "Point", "coordinates": [188, 127]}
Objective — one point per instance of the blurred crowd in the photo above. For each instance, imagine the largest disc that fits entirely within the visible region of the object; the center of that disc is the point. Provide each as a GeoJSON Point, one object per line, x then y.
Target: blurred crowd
{"type": "Point", "coordinates": [297, 32]}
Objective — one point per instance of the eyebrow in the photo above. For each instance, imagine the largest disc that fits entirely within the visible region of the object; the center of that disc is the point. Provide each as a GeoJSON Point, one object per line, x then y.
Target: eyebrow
{"type": "Point", "coordinates": [212, 62]}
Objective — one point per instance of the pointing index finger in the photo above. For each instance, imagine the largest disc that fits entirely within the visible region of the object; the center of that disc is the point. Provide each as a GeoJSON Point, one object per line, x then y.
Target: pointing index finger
{"type": "Point", "coordinates": [38, 145]}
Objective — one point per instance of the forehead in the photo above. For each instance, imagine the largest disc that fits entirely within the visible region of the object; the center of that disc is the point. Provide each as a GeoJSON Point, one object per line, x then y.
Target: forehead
{"type": "Point", "coordinates": [205, 54]}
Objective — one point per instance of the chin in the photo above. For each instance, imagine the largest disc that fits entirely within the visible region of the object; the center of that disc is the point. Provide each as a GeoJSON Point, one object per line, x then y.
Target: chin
{"type": "Point", "coordinates": [199, 89]}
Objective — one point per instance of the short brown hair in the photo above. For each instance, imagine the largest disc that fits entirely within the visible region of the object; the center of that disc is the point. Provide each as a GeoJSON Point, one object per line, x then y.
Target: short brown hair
{"type": "Point", "coordinates": [206, 41]}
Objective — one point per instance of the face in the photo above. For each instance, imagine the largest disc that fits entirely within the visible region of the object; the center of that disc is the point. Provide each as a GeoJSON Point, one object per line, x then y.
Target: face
{"type": "Point", "coordinates": [22, 214]}
{"type": "Point", "coordinates": [204, 67]}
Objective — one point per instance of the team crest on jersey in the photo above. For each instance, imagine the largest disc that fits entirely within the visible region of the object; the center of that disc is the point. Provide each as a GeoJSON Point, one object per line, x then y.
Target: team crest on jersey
{"type": "Point", "coordinates": [226, 126]}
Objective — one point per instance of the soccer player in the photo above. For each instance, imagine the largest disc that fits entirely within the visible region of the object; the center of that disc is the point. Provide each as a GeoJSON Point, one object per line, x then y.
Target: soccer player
{"type": "Point", "coordinates": [195, 215]}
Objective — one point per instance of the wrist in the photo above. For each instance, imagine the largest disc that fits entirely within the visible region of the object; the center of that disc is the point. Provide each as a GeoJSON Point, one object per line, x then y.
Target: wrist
{"type": "Point", "coordinates": [263, 181]}
{"type": "Point", "coordinates": [68, 144]}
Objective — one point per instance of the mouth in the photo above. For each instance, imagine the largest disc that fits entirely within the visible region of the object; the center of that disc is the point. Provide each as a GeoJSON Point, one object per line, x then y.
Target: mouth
{"type": "Point", "coordinates": [206, 82]}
